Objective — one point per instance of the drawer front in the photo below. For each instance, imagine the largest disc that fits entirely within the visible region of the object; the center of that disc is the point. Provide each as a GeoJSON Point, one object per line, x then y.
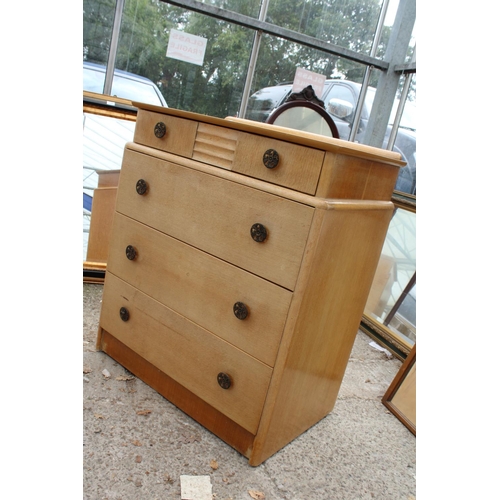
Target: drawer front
{"type": "Point", "coordinates": [243, 309]}
{"type": "Point", "coordinates": [217, 216]}
{"type": "Point", "coordinates": [187, 353]}
{"type": "Point", "coordinates": [295, 167]}
{"type": "Point", "coordinates": [178, 133]}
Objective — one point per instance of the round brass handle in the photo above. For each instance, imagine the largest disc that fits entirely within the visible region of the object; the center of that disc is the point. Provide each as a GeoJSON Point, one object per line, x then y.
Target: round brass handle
{"type": "Point", "coordinates": [141, 187]}
{"type": "Point", "coordinates": [130, 252]}
{"type": "Point", "coordinates": [124, 314]}
{"type": "Point", "coordinates": [160, 130]}
{"type": "Point", "coordinates": [258, 232]}
{"type": "Point", "coordinates": [271, 158]}
{"type": "Point", "coordinates": [224, 380]}
{"type": "Point", "coordinates": [240, 310]}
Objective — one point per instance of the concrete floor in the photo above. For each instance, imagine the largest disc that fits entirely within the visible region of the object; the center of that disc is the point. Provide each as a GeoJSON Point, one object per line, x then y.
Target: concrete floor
{"type": "Point", "coordinates": [136, 444]}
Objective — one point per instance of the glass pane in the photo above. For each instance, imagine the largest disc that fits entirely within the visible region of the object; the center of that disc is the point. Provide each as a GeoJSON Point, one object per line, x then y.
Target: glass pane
{"type": "Point", "coordinates": [405, 319]}
{"type": "Point", "coordinates": [104, 140]}
{"type": "Point", "coordinates": [215, 88]}
{"type": "Point", "coordinates": [406, 141]}
{"type": "Point", "coordinates": [348, 23]}
{"type": "Point", "coordinates": [406, 138]}
{"type": "Point", "coordinates": [397, 266]}
{"type": "Point", "coordinates": [277, 62]}
{"type": "Point", "coordinates": [98, 18]}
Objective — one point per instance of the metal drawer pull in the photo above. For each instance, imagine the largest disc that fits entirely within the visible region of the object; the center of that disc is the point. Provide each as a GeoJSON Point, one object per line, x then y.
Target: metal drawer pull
{"type": "Point", "coordinates": [240, 310]}
{"type": "Point", "coordinates": [130, 252]}
{"type": "Point", "coordinates": [224, 380]}
{"type": "Point", "coordinates": [271, 158]}
{"type": "Point", "coordinates": [124, 314]}
{"type": "Point", "coordinates": [160, 130]}
{"type": "Point", "coordinates": [141, 187]}
{"type": "Point", "coordinates": [258, 232]}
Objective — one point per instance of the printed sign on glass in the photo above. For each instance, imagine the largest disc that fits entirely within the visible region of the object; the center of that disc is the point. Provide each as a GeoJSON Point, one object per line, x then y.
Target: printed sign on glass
{"type": "Point", "coordinates": [186, 47]}
{"type": "Point", "coordinates": [303, 78]}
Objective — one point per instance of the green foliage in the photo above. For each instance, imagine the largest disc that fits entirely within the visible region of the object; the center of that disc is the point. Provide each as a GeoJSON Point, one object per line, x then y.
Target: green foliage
{"type": "Point", "coordinates": [98, 18]}
{"type": "Point", "coordinates": [216, 87]}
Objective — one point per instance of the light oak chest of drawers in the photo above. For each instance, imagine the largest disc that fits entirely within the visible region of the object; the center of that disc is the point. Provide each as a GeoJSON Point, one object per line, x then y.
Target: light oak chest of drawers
{"type": "Point", "coordinates": [240, 261]}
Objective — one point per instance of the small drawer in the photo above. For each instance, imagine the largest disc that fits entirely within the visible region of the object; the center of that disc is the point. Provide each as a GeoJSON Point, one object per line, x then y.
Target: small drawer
{"type": "Point", "coordinates": [225, 377]}
{"type": "Point", "coordinates": [290, 165]}
{"type": "Point", "coordinates": [217, 216]}
{"type": "Point", "coordinates": [243, 309]}
{"type": "Point", "coordinates": [166, 133]}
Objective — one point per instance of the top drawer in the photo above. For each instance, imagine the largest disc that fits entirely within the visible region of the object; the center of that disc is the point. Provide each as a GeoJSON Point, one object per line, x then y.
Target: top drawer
{"type": "Point", "coordinates": [165, 132]}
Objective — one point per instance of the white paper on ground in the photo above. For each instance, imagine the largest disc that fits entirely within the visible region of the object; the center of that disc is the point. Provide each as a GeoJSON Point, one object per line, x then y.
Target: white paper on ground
{"type": "Point", "coordinates": [196, 488]}
{"type": "Point", "coordinates": [381, 349]}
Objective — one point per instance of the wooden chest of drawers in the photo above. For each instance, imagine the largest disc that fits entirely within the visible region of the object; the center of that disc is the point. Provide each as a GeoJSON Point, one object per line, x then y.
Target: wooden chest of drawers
{"type": "Point", "coordinates": [240, 261]}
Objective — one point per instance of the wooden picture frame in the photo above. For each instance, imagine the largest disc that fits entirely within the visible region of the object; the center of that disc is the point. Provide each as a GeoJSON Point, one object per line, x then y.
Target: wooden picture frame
{"type": "Point", "coordinates": [400, 398]}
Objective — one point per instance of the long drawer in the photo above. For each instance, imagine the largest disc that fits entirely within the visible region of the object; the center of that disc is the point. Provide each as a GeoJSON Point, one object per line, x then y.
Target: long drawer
{"type": "Point", "coordinates": [245, 310]}
{"type": "Point", "coordinates": [190, 355]}
{"type": "Point", "coordinates": [257, 231]}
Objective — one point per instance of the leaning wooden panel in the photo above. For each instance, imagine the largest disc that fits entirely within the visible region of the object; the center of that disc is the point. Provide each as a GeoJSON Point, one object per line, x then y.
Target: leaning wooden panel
{"type": "Point", "coordinates": [316, 346]}
{"type": "Point", "coordinates": [103, 207]}
{"type": "Point", "coordinates": [401, 396]}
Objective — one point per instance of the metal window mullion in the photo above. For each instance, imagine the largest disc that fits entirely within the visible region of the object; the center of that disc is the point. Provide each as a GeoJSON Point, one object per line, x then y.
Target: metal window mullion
{"type": "Point", "coordinates": [253, 60]}
{"type": "Point", "coordinates": [113, 47]}
{"type": "Point", "coordinates": [401, 105]}
{"type": "Point", "coordinates": [400, 300]}
{"type": "Point", "coordinates": [368, 72]}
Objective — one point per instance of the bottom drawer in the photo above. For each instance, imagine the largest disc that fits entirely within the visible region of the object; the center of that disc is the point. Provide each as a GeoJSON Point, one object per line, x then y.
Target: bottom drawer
{"type": "Point", "coordinates": [187, 353]}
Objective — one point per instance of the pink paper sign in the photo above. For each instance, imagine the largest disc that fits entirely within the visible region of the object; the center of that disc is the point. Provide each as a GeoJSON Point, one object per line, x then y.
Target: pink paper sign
{"type": "Point", "coordinates": [186, 47]}
{"type": "Point", "coordinates": [303, 78]}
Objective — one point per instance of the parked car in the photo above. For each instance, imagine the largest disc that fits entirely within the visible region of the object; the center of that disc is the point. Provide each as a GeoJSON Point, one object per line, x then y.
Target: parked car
{"type": "Point", "coordinates": [340, 98]}
{"type": "Point", "coordinates": [125, 85]}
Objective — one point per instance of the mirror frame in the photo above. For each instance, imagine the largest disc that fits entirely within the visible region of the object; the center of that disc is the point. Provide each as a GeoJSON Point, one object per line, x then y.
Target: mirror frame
{"type": "Point", "coordinates": [305, 104]}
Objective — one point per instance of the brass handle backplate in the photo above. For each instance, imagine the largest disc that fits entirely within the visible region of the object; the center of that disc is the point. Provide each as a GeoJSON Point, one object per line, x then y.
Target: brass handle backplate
{"type": "Point", "coordinates": [240, 310]}
{"type": "Point", "coordinates": [258, 232]}
{"type": "Point", "coordinates": [160, 130]}
{"type": "Point", "coordinates": [130, 252]}
{"type": "Point", "coordinates": [141, 187]}
{"type": "Point", "coordinates": [271, 158]}
{"type": "Point", "coordinates": [124, 314]}
{"type": "Point", "coordinates": [224, 380]}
